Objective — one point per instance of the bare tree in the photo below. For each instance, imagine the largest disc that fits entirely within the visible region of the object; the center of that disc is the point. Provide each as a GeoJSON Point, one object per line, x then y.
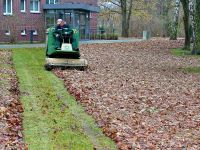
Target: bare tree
{"type": "Point", "coordinates": [197, 25]}
{"type": "Point", "coordinates": [173, 35]}
{"type": "Point", "coordinates": [192, 24]}
{"type": "Point", "coordinates": [126, 11]}
{"type": "Point", "coordinates": [124, 8]}
{"type": "Point", "coordinates": [185, 4]}
{"type": "Point", "coordinates": [11, 25]}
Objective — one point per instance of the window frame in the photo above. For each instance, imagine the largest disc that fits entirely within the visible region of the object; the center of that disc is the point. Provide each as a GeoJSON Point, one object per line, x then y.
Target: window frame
{"type": "Point", "coordinates": [90, 15]}
{"type": "Point", "coordinates": [54, 2]}
{"type": "Point", "coordinates": [11, 9]}
{"type": "Point", "coordinates": [7, 33]}
{"type": "Point", "coordinates": [24, 10]}
{"type": "Point", "coordinates": [35, 32]}
{"type": "Point", "coordinates": [35, 11]}
{"type": "Point", "coordinates": [23, 32]}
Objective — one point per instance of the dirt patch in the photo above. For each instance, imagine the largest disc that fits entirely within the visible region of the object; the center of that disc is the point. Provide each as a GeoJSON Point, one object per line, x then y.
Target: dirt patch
{"type": "Point", "coordinates": [138, 94]}
{"type": "Point", "coordinates": [10, 107]}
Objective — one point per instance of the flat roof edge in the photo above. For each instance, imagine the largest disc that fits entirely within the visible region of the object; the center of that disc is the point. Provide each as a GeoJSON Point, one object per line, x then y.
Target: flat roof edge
{"type": "Point", "coordinates": [73, 6]}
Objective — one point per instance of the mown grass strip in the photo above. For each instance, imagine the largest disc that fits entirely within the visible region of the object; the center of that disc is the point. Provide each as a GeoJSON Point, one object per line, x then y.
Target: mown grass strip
{"type": "Point", "coordinates": [52, 118]}
{"type": "Point", "coordinates": [185, 53]}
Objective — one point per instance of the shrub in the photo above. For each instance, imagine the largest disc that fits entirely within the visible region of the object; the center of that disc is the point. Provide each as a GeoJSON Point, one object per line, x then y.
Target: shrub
{"type": "Point", "coordinates": [103, 37]}
{"type": "Point", "coordinates": [111, 36]}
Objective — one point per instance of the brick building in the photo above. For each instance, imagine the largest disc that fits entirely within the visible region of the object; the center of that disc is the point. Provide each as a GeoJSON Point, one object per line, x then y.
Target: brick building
{"type": "Point", "coordinates": [22, 18]}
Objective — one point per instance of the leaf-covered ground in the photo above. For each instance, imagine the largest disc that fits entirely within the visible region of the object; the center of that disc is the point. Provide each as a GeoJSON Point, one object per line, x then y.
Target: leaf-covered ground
{"type": "Point", "coordinates": [10, 107]}
{"type": "Point", "coordinates": [139, 95]}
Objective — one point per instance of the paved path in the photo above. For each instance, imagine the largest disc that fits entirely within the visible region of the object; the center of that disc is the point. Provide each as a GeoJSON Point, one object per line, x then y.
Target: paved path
{"type": "Point", "coordinates": [10, 46]}
{"type": "Point", "coordinates": [111, 41]}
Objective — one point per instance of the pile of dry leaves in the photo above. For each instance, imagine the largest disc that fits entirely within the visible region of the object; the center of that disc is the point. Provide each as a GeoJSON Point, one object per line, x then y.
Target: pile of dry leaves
{"type": "Point", "coordinates": [139, 95]}
{"type": "Point", "coordinates": [10, 107]}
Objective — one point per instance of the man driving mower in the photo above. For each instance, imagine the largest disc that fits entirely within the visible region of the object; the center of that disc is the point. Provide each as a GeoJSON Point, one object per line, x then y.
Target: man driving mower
{"type": "Point", "coordinates": [59, 39]}
{"type": "Point", "coordinates": [62, 49]}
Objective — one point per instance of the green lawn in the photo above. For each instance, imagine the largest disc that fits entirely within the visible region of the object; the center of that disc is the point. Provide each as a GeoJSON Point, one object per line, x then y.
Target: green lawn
{"type": "Point", "coordinates": [192, 69]}
{"type": "Point", "coordinates": [185, 53]}
{"type": "Point", "coordinates": [180, 52]}
{"type": "Point", "coordinates": [52, 119]}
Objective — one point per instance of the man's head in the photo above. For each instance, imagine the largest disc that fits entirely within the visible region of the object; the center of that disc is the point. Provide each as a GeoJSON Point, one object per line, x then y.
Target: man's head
{"type": "Point", "coordinates": [59, 21]}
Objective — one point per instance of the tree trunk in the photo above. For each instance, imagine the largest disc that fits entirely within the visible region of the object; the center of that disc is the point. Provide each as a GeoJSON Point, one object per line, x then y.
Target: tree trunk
{"type": "Point", "coordinates": [166, 18]}
{"type": "Point", "coordinates": [192, 24]}
{"type": "Point", "coordinates": [185, 4]}
{"type": "Point", "coordinates": [197, 27]}
{"type": "Point", "coordinates": [126, 15]}
{"type": "Point", "coordinates": [173, 35]}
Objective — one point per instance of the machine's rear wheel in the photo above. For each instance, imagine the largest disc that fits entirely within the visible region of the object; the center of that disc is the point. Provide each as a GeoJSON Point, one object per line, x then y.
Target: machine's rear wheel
{"type": "Point", "coordinates": [83, 68]}
{"type": "Point", "coordinates": [48, 67]}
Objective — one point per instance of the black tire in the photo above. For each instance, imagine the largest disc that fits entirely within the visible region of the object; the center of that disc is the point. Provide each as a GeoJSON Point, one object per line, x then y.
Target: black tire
{"type": "Point", "coordinates": [83, 68]}
{"type": "Point", "coordinates": [48, 67]}
{"type": "Point", "coordinates": [63, 68]}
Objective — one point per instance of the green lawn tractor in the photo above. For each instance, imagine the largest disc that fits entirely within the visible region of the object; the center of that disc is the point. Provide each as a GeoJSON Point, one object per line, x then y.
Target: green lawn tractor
{"type": "Point", "coordinates": [63, 49]}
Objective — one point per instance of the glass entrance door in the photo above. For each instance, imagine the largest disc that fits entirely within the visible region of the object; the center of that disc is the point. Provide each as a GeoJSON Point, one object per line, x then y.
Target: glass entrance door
{"type": "Point", "coordinates": [81, 23]}
{"type": "Point", "coordinates": [75, 18]}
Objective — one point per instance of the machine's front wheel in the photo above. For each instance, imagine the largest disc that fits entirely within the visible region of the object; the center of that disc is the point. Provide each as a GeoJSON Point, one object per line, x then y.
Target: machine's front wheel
{"type": "Point", "coordinates": [48, 67]}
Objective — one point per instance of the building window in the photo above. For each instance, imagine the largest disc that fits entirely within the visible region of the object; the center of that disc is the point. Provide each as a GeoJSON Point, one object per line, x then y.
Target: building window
{"type": "Point", "coordinates": [35, 32]}
{"type": "Point", "coordinates": [35, 6]}
{"type": "Point", "coordinates": [7, 32]}
{"type": "Point", "coordinates": [90, 15]}
{"type": "Point", "coordinates": [52, 1]}
{"type": "Point", "coordinates": [23, 5]}
{"type": "Point", "coordinates": [7, 7]}
{"type": "Point", "coordinates": [23, 32]}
